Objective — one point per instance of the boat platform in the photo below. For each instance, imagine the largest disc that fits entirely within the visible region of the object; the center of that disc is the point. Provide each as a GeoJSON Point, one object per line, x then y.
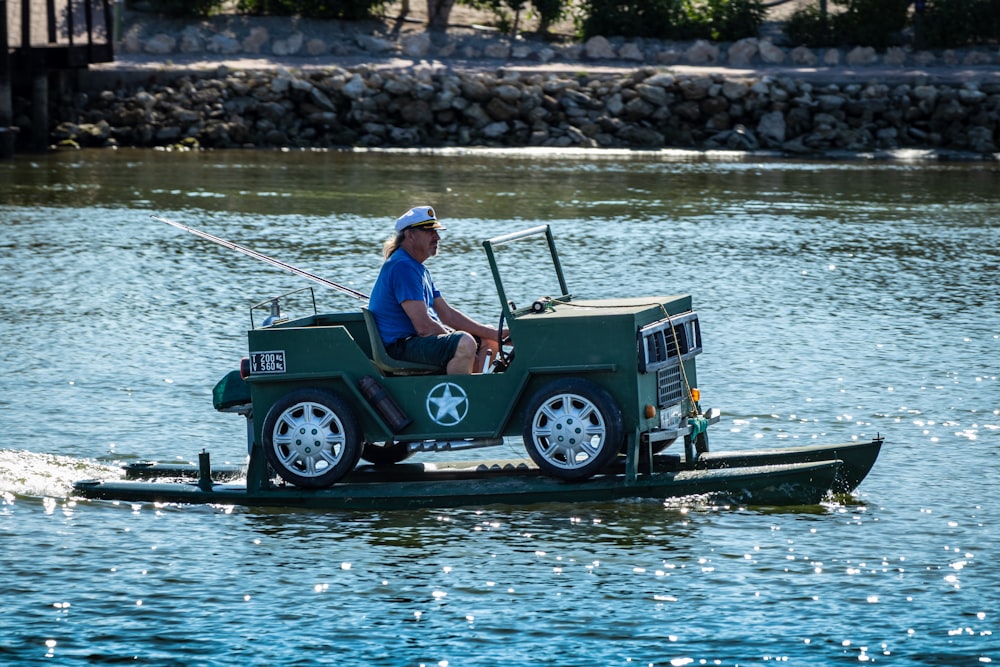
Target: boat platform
{"type": "Point", "coordinates": [787, 476]}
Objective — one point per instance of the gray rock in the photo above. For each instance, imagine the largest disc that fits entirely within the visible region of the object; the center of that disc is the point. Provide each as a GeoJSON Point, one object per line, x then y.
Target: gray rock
{"type": "Point", "coordinates": [417, 112]}
{"type": "Point", "coordinates": [498, 50]}
{"type": "Point", "coordinates": [186, 116]}
{"type": "Point", "coordinates": [981, 140]}
{"type": "Point", "coordinates": [976, 58]}
{"type": "Point", "coordinates": [689, 111]}
{"type": "Point", "coordinates": [191, 41]}
{"type": "Point", "coordinates": [131, 42]}
{"type": "Point", "coordinates": [544, 54]}
{"type": "Point", "coordinates": [928, 93]}
{"type": "Point", "coordinates": [614, 105]}
{"type": "Point", "coordinates": [375, 44]}
{"type": "Point", "coordinates": [500, 110]}
{"type": "Point", "coordinates": [290, 46]}
{"type": "Point", "coordinates": [969, 95]}
{"type": "Point", "coordinates": [662, 79]}
{"type": "Point", "coordinates": [474, 88]}
{"type": "Point", "coordinates": [802, 55]}
{"type": "Point", "coordinates": [895, 56]}
{"type": "Point", "coordinates": [224, 44]}
{"type": "Point", "coordinates": [737, 139]}
{"type": "Point", "coordinates": [508, 93]}
{"type": "Point", "coordinates": [599, 48]}
{"type": "Point", "coordinates": [695, 88]}
{"type": "Point", "coordinates": [702, 53]}
{"type": "Point", "coordinates": [631, 51]}
{"type": "Point", "coordinates": [638, 109]}
{"type": "Point", "coordinates": [669, 56]}
{"type": "Point", "coordinates": [416, 45]}
{"type": "Point", "coordinates": [771, 128]}
{"type": "Point", "coordinates": [734, 90]}
{"type": "Point", "coordinates": [355, 88]}
{"type": "Point", "coordinates": [655, 95]}
{"type": "Point", "coordinates": [742, 52]}
{"type": "Point", "coordinates": [477, 117]}
{"type": "Point", "coordinates": [168, 134]}
{"type": "Point", "coordinates": [401, 136]}
{"type": "Point", "coordinates": [521, 52]}
{"type": "Point", "coordinates": [316, 47]}
{"type": "Point", "coordinates": [256, 40]}
{"type": "Point", "coordinates": [861, 55]}
{"type": "Point", "coordinates": [641, 137]}
{"type": "Point", "coordinates": [771, 54]}
{"type": "Point", "coordinates": [887, 137]}
{"type": "Point", "coordinates": [830, 102]}
{"type": "Point", "coordinates": [160, 45]}
{"type": "Point", "coordinates": [495, 130]}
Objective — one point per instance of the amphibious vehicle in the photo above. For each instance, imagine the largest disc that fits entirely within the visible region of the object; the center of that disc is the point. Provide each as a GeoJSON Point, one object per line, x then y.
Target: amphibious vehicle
{"type": "Point", "coordinates": [596, 389]}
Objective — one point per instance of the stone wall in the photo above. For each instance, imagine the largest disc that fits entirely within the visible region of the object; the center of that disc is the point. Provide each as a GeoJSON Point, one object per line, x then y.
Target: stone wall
{"type": "Point", "coordinates": [240, 36]}
{"type": "Point", "coordinates": [437, 106]}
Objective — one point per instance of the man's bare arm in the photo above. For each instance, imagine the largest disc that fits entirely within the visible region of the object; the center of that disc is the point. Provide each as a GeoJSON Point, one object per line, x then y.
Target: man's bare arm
{"type": "Point", "coordinates": [459, 321]}
{"type": "Point", "coordinates": [421, 319]}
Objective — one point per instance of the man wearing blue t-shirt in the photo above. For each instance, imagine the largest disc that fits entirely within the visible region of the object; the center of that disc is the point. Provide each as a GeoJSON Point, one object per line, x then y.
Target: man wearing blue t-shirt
{"type": "Point", "coordinates": [413, 319]}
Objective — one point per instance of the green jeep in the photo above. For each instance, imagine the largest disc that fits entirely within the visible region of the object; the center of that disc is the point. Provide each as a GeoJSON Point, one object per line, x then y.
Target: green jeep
{"type": "Point", "coordinates": [588, 380]}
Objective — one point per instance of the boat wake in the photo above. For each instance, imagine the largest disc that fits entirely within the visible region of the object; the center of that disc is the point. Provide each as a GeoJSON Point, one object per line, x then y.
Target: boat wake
{"type": "Point", "coordinates": [29, 474]}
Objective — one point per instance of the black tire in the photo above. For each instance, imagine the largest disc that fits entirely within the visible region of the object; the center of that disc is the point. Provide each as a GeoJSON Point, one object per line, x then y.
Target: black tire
{"type": "Point", "coordinates": [559, 419]}
{"type": "Point", "coordinates": [311, 438]}
{"type": "Point", "coordinates": [384, 454]}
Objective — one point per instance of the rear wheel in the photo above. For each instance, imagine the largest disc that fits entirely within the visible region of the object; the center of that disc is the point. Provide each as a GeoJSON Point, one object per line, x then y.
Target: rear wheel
{"type": "Point", "coordinates": [311, 438]}
{"type": "Point", "coordinates": [574, 429]}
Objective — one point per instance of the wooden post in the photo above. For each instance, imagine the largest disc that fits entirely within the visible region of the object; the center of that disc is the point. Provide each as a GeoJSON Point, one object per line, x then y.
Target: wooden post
{"type": "Point", "coordinates": [40, 112]}
{"type": "Point", "coordinates": [6, 97]}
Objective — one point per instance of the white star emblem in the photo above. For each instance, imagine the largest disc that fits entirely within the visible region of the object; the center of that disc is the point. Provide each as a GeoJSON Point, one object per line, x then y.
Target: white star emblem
{"type": "Point", "coordinates": [447, 404]}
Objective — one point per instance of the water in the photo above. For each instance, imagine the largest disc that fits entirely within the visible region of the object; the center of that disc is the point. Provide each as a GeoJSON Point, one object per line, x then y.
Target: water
{"type": "Point", "coordinates": [838, 300]}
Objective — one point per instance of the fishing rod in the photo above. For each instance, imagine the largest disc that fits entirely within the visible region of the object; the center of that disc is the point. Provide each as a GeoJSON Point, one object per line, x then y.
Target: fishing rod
{"type": "Point", "coordinates": [264, 258]}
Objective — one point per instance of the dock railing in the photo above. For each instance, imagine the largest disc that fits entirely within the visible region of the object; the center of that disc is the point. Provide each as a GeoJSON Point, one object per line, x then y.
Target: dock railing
{"type": "Point", "coordinates": [43, 37]}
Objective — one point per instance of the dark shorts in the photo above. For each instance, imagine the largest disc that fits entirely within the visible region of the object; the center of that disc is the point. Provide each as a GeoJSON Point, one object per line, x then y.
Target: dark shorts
{"type": "Point", "coordinates": [432, 350]}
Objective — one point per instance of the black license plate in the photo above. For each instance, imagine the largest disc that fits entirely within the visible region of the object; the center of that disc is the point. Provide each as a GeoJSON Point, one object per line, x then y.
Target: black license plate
{"type": "Point", "coordinates": [267, 362]}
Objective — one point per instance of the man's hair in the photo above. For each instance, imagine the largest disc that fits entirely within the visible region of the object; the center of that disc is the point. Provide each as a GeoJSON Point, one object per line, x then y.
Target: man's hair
{"type": "Point", "coordinates": [392, 244]}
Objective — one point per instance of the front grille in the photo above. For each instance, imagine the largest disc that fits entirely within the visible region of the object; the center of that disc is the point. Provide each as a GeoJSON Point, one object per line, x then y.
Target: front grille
{"type": "Point", "coordinates": [669, 385]}
{"type": "Point", "coordinates": [660, 342]}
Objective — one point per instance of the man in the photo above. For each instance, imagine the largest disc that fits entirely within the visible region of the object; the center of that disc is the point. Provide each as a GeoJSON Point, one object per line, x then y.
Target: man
{"type": "Point", "coordinates": [413, 319]}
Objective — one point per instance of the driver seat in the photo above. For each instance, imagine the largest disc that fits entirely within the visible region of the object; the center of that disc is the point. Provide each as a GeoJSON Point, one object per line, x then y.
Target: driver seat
{"type": "Point", "coordinates": [387, 364]}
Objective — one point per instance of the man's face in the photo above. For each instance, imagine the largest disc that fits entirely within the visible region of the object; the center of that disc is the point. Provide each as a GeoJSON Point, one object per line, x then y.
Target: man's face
{"type": "Point", "coordinates": [423, 243]}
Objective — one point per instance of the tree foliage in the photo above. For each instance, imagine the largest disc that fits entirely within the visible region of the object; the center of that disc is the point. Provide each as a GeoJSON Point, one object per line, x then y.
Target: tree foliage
{"type": "Point", "coordinates": [877, 23]}
{"type": "Point", "coordinates": [953, 23]}
{"type": "Point", "coordinates": [724, 20]}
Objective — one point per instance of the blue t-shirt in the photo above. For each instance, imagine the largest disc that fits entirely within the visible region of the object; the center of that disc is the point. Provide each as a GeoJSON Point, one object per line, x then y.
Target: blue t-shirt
{"type": "Point", "coordinates": [402, 278]}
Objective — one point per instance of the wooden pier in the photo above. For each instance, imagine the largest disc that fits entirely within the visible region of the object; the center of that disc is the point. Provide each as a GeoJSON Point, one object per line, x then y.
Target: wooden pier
{"type": "Point", "coordinates": [44, 41]}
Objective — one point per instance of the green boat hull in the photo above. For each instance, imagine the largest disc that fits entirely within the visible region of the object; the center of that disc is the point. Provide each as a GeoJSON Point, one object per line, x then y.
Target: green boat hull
{"type": "Point", "coordinates": [792, 476]}
{"type": "Point", "coordinates": [857, 459]}
{"type": "Point", "coordinates": [796, 484]}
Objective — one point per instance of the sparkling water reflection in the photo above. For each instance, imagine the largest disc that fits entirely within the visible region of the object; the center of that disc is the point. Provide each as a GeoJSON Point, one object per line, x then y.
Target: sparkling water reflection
{"type": "Point", "coordinates": [837, 300]}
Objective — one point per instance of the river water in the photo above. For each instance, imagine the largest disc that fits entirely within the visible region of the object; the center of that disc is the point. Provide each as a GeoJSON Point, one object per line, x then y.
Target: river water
{"type": "Point", "coordinates": [838, 300]}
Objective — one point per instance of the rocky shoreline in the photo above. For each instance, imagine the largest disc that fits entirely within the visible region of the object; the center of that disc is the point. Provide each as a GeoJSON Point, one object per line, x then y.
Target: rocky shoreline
{"type": "Point", "coordinates": [244, 36]}
{"type": "Point", "coordinates": [468, 89]}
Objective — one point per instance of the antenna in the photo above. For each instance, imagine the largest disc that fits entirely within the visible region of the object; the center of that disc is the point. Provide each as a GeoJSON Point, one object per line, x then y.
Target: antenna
{"type": "Point", "coordinates": [264, 258]}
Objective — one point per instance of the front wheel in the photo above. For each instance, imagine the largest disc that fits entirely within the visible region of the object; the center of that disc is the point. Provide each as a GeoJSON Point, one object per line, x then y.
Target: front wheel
{"type": "Point", "coordinates": [311, 438]}
{"type": "Point", "coordinates": [574, 429]}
